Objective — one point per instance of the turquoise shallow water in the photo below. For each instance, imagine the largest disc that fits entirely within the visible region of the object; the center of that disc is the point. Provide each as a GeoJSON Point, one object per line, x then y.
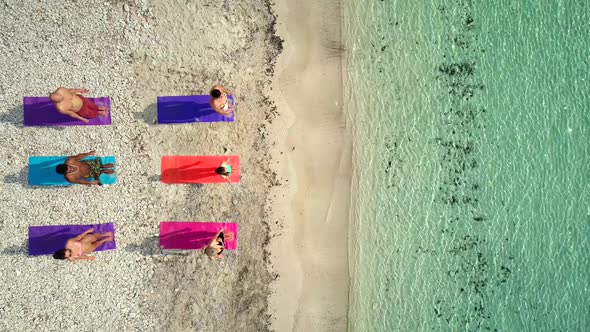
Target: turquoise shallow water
{"type": "Point", "coordinates": [471, 125]}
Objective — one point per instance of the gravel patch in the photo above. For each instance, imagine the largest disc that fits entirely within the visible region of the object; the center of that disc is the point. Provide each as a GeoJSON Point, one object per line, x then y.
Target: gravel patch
{"type": "Point", "coordinates": [133, 51]}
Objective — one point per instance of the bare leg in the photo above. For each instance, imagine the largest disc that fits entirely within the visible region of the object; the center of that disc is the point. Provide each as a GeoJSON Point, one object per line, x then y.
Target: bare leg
{"type": "Point", "coordinates": [108, 171]}
{"type": "Point", "coordinates": [97, 236]}
{"type": "Point", "coordinates": [109, 165]}
{"type": "Point", "coordinates": [105, 234]}
{"type": "Point", "coordinates": [96, 244]}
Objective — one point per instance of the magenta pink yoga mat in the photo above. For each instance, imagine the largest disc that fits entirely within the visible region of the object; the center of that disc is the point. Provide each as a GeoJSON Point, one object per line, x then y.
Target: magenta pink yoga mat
{"type": "Point", "coordinates": [187, 235]}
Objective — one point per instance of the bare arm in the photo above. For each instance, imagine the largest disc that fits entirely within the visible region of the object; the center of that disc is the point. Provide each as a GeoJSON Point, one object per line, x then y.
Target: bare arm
{"type": "Point", "coordinates": [75, 116]}
{"type": "Point", "coordinates": [220, 111]}
{"type": "Point", "coordinates": [84, 182]}
{"type": "Point", "coordinates": [79, 237]}
{"type": "Point", "coordinates": [80, 91]}
{"type": "Point", "coordinates": [84, 155]}
{"type": "Point", "coordinates": [83, 258]}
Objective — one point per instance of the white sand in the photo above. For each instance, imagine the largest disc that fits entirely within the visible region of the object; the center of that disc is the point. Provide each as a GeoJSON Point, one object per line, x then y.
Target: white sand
{"type": "Point", "coordinates": [311, 254]}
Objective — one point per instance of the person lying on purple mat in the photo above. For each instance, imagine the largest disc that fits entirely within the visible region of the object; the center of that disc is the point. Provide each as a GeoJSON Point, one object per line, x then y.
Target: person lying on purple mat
{"type": "Point", "coordinates": [77, 248]}
{"type": "Point", "coordinates": [71, 102]}
{"type": "Point", "coordinates": [76, 170]}
{"type": "Point", "coordinates": [215, 247]}
{"type": "Point", "coordinates": [219, 101]}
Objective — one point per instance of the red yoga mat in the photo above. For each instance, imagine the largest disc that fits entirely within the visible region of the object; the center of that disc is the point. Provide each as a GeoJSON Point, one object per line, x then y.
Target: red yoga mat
{"type": "Point", "coordinates": [185, 235]}
{"type": "Point", "coordinates": [198, 169]}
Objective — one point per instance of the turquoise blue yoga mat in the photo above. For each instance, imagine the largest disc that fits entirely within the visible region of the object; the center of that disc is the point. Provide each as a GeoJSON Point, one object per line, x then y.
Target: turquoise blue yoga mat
{"type": "Point", "coordinates": [42, 171]}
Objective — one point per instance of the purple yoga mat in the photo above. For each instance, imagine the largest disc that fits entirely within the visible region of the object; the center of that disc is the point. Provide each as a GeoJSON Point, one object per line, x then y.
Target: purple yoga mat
{"type": "Point", "coordinates": [186, 109]}
{"type": "Point", "coordinates": [45, 240]}
{"type": "Point", "coordinates": [40, 111]}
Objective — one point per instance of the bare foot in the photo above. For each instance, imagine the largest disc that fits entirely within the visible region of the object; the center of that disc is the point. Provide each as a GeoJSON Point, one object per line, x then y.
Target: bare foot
{"type": "Point", "coordinates": [108, 171]}
{"type": "Point", "coordinates": [104, 111]}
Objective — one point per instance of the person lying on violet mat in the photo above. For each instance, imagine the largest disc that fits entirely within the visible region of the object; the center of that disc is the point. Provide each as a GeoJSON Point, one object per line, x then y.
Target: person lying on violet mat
{"type": "Point", "coordinates": [76, 170]}
{"type": "Point", "coordinates": [224, 170]}
{"type": "Point", "coordinates": [219, 101]}
{"type": "Point", "coordinates": [77, 248]}
{"type": "Point", "coordinates": [215, 247]}
{"type": "Point", "coordinates": [71, 102]}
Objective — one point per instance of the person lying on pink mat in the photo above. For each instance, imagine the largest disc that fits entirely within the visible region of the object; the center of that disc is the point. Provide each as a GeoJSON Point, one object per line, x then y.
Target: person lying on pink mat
{"type": "Point", "coordinates": [214, 249]}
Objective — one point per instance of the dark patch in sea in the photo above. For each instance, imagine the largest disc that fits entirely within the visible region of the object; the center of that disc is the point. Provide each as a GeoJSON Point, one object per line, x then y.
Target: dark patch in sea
{"type": "Point", "coordinates": [391, 162]}
{"type": "Point", "coordinates": [474, 268]}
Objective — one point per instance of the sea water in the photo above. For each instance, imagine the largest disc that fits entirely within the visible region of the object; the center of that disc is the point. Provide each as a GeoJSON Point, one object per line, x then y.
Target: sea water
{"type": "Point", "coordinates": [471, 180]}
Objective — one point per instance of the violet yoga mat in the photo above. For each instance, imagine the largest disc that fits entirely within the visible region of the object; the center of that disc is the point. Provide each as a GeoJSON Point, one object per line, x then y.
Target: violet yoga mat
{"type": "Point", "coordinates": [186, 109]}
{"type": "Point", "coordinates": [194, 235]}
{"type": "Point", "coordinates": [40, 111]}
{"type": "Point", "coordinates": [45, 240]}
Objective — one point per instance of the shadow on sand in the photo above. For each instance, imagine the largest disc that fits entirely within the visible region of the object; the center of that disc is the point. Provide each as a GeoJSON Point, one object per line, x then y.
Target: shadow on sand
{"type": "Point", "coordinates": [14, 117]}
{"type": "Point", "coordinates": [19, 177]}
{"type": "Point", "coordinates": [16, 250]}
{"type": "Point", "coordinates": [149, 114]}
{"type": "Point", "coordinates": [150, 246]}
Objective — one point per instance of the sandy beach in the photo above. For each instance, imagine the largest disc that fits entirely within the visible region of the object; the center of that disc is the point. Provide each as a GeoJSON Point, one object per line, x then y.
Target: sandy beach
{"type": "Point", "coordinates": [290, 270]}
{"type": "Point", "coordinates": [311, 254]}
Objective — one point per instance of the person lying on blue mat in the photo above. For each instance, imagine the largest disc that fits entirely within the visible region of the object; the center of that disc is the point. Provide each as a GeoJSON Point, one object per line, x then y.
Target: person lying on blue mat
{"type": "Point", "coordinates": [76, 170]}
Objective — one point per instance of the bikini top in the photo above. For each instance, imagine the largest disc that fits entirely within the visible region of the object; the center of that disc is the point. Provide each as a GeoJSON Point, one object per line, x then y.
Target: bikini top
{"type": "Point", "coordinates": [80, 247]}
{"type": "Point", "coordinates": [226, 105]}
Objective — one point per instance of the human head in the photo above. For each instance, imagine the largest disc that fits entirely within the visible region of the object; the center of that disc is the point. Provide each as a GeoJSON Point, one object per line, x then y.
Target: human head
{"type": "Point", "coordinates": [215, 93]}
{"type": "Point", "coordinates": [62, 253]}
{"type": "Point", "coordinates": [221, 171]}
{"type": "Point", "coordinates": [210, 251]}
{"type": "Point", "coordinates": [56, 97]}
{"type": "Point", "coordinates": [61, 169]}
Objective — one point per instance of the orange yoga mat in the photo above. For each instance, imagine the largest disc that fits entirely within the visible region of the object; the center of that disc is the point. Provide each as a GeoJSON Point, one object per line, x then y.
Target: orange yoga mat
{"type": "Point", "coordinates": [198, 169]}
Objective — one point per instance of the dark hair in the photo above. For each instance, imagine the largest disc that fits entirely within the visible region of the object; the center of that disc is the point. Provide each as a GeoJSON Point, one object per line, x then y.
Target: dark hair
{"type": "Point", "coordinates": [215, 93]}
{"type": "Point", "coordinates": [60, 254]}
{"type": "Point", "coordinates": [61, 169]}
{"type": "Point", "coordinates": [221, 171]}
{"type": "Point", "coordinates": [210, 251]}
